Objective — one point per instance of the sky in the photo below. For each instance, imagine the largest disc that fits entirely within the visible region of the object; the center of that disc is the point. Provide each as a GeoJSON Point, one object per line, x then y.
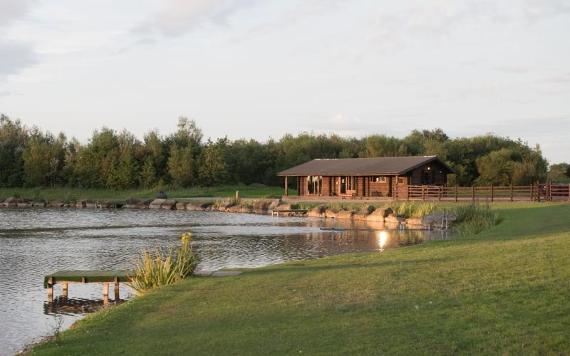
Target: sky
{"type": "Point", "coordinates": [260, 69]}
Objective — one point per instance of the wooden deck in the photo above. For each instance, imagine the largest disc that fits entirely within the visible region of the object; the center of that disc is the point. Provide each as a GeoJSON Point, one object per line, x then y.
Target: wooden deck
{"type": "Point", "coordinates": [86, 276]}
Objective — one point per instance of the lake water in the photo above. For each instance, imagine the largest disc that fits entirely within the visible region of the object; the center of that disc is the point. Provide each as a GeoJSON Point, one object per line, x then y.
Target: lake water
{"type": "Point", "coordinates": [36, 242]}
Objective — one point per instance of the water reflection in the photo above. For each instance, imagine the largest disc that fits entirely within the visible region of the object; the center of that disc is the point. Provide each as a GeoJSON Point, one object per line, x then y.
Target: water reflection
{"type": "Point", "coordinates": [77, 306]}
{"type": "Point", "coordinates": [37, 242]}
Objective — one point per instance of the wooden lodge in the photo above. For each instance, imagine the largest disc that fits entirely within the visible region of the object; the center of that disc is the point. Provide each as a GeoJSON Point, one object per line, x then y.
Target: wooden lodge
{"type": "Point", "coordinates": [365, 177]}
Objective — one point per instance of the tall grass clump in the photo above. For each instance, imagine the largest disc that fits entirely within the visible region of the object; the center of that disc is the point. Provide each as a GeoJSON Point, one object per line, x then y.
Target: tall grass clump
{"type": "Point", "coordinates": [473, 218]}
{"type": "Point", "coordinates": [159, 268]}
{"type": "Point", "coordinates": [414, 209]}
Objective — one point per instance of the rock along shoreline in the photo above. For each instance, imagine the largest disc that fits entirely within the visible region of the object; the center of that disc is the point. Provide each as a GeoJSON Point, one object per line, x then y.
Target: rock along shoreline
{"type": "Point", "coordinates": [385, 216]}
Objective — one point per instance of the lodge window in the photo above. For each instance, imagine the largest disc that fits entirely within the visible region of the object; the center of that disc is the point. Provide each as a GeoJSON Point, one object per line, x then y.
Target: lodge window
{"type": "Point", "coordinates": [347, 184]}
{"type": "Point", "coordinates": [314, 184]}
{"type": "Point", "coordinates": [379, 179]}
{"type": "Point", "coordinates": [402, 180]}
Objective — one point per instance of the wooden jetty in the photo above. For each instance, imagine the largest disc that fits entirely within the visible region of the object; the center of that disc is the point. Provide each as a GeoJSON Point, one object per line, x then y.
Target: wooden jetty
{"type": "Point", "coordinates": [66, 277]}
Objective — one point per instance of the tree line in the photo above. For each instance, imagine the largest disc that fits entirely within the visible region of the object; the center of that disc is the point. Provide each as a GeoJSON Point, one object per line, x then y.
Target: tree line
{"type": "Point", "coordinates": [111, 159]}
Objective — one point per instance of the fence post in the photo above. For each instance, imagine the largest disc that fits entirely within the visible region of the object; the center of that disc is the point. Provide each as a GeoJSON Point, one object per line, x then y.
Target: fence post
{"type": "Point", "coordinates": [457, 192]}
{"type": "Point", "coordinates": [473, 193]}
{"type": "Point", "coordinates": [550, 190]}
{"type": "Point", "coordinates": [423, 193]}
{"type": "Point", "coordinates": [492, 193]}
{"type": "Point", "coordinates": [531, 192]}
{"type": "Point", "coordinates": [439, 191]}
{"type": "Point", "coordinates": [538, 192]}
{"type": "Point", "coordinates": [512, 193]}
{"type": "Point", "coordinates": [568, 192]}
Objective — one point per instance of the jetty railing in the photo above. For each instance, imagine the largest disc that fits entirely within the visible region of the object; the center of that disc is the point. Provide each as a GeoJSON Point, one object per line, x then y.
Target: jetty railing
{"type": "Point", "coordinates": [533, 192]}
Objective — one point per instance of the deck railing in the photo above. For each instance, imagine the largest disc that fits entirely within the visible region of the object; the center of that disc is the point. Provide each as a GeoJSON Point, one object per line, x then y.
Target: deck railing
{"type": "Point", "coordinates": [537, 192]}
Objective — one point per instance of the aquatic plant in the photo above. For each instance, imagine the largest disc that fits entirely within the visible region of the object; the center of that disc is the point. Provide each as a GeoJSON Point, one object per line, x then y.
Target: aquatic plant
{"type": "Point", "coordinates": [159, 268]}
{"type": "Point", "coordinates": [473, 218]}
{"type": "Point", "coordinates": [414, 209]}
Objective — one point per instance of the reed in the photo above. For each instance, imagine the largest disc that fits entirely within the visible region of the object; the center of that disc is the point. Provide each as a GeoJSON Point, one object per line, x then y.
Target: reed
{"type": "Point", "coordinates": [159, 267]}
{"type": "Point", "coordinates": [473, 218]}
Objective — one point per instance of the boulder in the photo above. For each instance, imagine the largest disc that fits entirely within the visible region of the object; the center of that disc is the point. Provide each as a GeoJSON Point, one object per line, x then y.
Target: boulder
{"type": "Point", "coordinates": [360, 216]}
{"type": "Point", "coordinates": [39, 204]}
{"type": "Point", "coordinates": [11, 202]}
{"type": "Point", "coordinates": [24, 204]}
{"type": "Point", "coordinates": [168, 204]}
{"type": "Point", "coordinates": [91, 205]}
{"type": "Point", "coordinates": [274, 204]}
{"type": "Point", "coordinates": [194, 207]}
{"type": "Point", "coordinates": [55, 204]}
{"type": "Point", "coordinates": [156, 203]}
{"type": "Point", "coordinates": [181, 206]}
{"type": "Point", "coordinates": [317, 212]}
{"type": "Point", "coordinates": [81, 204]}
{"type": "Point", "coordinates": [345, 214]}
{"type": "Point", "coordinates": [331, 214]}
{"type": "Point", "coordinates": [377, 215]}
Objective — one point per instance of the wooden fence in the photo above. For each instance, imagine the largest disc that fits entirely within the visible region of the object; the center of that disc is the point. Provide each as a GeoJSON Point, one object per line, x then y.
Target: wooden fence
{"type": "Point", "coordinates": [537, 192]}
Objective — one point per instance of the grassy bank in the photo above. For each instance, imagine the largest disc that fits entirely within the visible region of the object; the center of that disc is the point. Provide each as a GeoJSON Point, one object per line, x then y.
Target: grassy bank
{"type": "Point", "coordinates": [505, 290]}
{"type": "Point", "coordinates": [73, 194]}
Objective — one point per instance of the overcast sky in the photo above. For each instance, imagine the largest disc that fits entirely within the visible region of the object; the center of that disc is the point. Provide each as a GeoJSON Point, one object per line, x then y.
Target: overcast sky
{"type": "Point", "coordinates": [253, 68]}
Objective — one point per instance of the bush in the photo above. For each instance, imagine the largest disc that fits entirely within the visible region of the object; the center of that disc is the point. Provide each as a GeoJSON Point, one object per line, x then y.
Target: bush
{"type": "Point", "coordinates": [160, 268]}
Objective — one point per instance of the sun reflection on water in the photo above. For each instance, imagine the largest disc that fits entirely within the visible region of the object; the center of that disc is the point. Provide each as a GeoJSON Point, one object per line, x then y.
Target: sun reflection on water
{"type": "Point", "coordinates": [382, 238]}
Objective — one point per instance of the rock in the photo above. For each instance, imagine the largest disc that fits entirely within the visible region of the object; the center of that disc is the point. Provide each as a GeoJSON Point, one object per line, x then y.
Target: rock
{"type": "Point", "coordinates": [393, 219]}
{"type": "Point", "coordinates": [331, 214]}
{"type": "Point", "coordinates": [91, 205]}
{"type": "Point", "coordinates": [168, 204]}
{"type": "Point", "coordinates": [360, 216]}
{"type": "Point", "coordinates": [317, 212]}
{"type": "Point", "coordinates": [81, 204]}
{"type": "Point", "coordinates": [181, 206]}
{"type": "Point", "coordinates": [156, 203]}
{"type": "Point", "coordinates": [39, 204]}
{"type": "Point", "coordinates": [24, 205]}
{"type": "Point", "coordinates": [55, 204]}
{"type": "Point", "coordinates": [194, 207]}
{"type": "Point", "coordinates": [11, 202]}
{"type": "Point", "coordinates": [345, 214]}
{"type": "Point", "coordinates": [414, 221]}
{"type": "Point", "coordinates": [376, 216]}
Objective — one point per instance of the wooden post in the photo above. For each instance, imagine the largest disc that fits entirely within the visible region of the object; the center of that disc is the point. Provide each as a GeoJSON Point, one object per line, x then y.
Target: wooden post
{"type": "Point", "coordinates": [531, 192]}
{"type": "Point", "coordinates": [286, 187]}
{"type": "Point", "coordinates": [473, 193]}
{"type": "Point", "coordinates": [538, 192]}
{"type": "Point", "coordinates": [65, 286]}
{"type": "Point", "coordinates": [550, 190]}
{"type": "Point", "coordinates": [456, 193]}
{"type": "Point", "coordinates": [568, 192]}
{"type": "Point", "coordinates": [439, 189]}
{"type": "Point", "coordinates": [50, 290]}
{"type": "Point", "coordinates": [117, 290]}
{"type": "Point", "coordinates": [237, 196]}
{"type": "Point", "coordinates": [423, 193]}
{"type": "Point", "coordinates": [512, 193]}
{"type": "Point", "coordinates": [105, 292]}
{"type": "Point", "coordinates": [492, 193]}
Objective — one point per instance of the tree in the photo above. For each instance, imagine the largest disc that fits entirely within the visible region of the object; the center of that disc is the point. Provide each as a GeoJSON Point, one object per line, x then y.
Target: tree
{"type": "Point", "coordinates": [181, 166]}
{"type": "Point", "coordinates": [212, 168]}
{"type": "Point", "coordinates": [559, 173]}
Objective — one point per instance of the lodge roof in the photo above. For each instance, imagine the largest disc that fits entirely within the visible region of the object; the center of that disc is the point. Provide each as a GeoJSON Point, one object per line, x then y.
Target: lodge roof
{"type": "Point", "coordinates": [361, 166]}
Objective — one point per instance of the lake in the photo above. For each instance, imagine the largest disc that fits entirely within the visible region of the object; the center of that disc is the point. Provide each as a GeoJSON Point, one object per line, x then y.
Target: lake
{"type": "Point", "coordinates": [36, 242]}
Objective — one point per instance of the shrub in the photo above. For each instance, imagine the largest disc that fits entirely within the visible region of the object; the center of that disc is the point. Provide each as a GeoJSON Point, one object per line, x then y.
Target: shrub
{"type": "Point", "coordinates": [160, 268]}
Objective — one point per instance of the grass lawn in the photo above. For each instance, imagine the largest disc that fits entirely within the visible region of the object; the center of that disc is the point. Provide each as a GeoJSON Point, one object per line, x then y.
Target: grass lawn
{"type": "Point", "coordinates": [71, 194]}
{"type": "Point", "coordinates": [504, 291]}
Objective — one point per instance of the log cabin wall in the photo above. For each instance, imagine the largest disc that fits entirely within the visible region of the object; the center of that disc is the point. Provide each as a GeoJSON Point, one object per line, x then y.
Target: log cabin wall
{"type": "Point", "coordinates": [326, 187]}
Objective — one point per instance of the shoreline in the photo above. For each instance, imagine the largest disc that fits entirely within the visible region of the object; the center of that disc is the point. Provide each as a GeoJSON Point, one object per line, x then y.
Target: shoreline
{"type": "Point", "coordinates": [383, 213]}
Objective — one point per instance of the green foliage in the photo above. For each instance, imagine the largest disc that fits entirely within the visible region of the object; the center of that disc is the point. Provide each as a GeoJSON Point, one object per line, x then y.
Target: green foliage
{"type": "Point", "coordinates": [474, 218]}
{"type": "Point", "coordinates": [160, 268]}
{"type": "Point", "coordinates": [413, 209]}
{"type": "Point", "coordinates": [181, 166]}
{"type": "Point", "coordinates": [118, 160]}
{"type": "Point", "coordinates": [559, 173]}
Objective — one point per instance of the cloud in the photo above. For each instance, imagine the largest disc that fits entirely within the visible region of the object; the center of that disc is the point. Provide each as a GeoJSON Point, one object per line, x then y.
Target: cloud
{"type": "Point", "coordinates": [177, 17]}
{"type": "Point", "coordinates": [14, 55]}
